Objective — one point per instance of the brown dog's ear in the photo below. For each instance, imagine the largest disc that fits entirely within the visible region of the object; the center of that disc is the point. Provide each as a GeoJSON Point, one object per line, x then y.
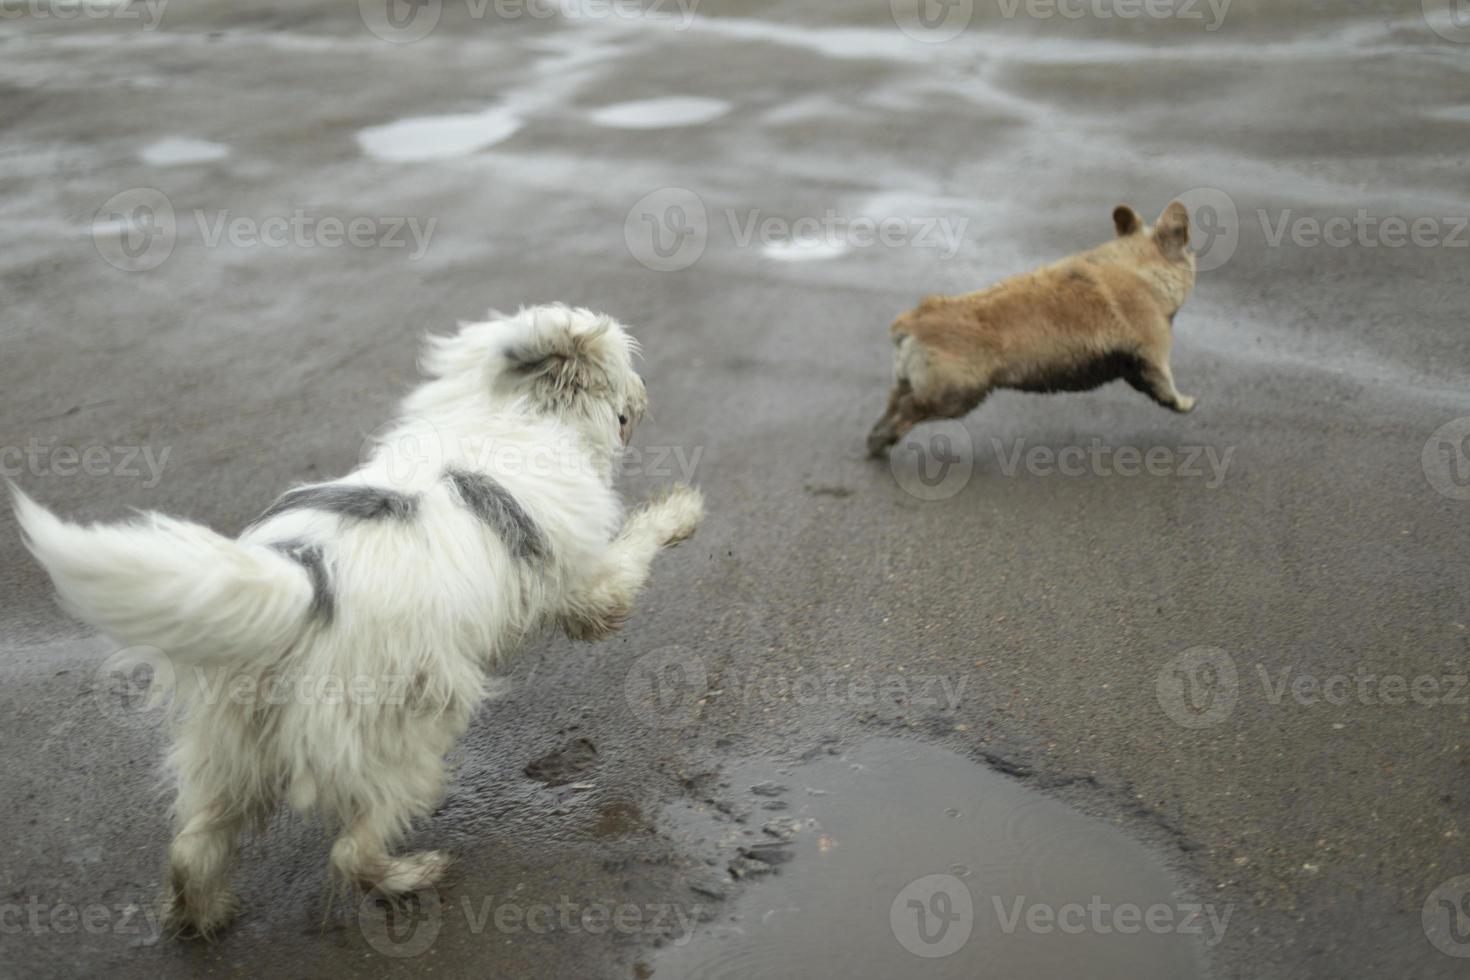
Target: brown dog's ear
{"type": "Point", "coordinates": [1172, 231]}
{"type": "Point", "coordinates": [1127, 221]}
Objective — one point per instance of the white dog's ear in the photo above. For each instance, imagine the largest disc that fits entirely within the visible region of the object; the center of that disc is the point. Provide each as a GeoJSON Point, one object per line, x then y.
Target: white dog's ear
{"type": "Point", "coordinates": [559, 357]}
{"type": "Point", "coordinates": [1126, 221]}
{"type": "Point", "coordinates": [1172, 231]}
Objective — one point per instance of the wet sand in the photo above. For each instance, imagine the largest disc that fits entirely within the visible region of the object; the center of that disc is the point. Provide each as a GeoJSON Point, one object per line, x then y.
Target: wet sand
{"type": "Point", "coordinates": [1307, 521]}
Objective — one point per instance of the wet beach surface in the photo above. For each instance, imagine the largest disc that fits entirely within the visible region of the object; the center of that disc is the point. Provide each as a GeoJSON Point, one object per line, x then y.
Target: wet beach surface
{"type": "Point", "coordinates": [850, 826]}
{"type": "Point", "coordinates": [1233, 643]}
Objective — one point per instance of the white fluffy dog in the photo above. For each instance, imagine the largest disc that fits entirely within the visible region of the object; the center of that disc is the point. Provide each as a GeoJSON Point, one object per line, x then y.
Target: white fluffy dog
{"type": "Point", "coordinates": [332, 654]}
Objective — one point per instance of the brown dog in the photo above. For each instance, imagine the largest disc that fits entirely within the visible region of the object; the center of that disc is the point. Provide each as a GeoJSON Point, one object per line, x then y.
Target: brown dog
{"type": "Point", "coordinates": [1079, 323]}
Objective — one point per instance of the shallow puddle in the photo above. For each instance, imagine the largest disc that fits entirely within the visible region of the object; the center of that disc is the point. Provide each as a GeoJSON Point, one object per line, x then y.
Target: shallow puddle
{"type": "Point", "coordinates": [178, 150]}
{"type": "Point", "coordinates": [906, 860]}
{"type": "Point", "coordinates": [803, 251]}
{"type": "Point", "coordinates": [661, 113]}
{"type": "Point", "coordinates": [438, 137]}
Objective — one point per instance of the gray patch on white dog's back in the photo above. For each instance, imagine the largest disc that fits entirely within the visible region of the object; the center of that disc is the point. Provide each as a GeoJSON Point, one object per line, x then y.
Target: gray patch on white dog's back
{"type": "Point", "coordinates": [309, 557]}
{"type": "Point", "coordinates": [348, 500]}
{"type": "Point", "coordinates": [496, 507]}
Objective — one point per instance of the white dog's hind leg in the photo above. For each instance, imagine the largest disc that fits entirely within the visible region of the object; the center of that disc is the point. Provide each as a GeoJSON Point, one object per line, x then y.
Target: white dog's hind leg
{"type": "Point", "coordinates": [199, 900]}
{"type": "Point", "coordinates": [599, 606]}
{"type": "Point", "coordinates": [401, 780]}
{"type": "Point", "coordinates": [223, 788]}
{"type": "Point", "coordinates": [360, 855]}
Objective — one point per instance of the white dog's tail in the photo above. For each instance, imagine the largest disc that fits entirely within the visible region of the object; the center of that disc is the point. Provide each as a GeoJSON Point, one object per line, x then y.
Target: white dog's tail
{"type": "Point", "coordinates": [165, 583]}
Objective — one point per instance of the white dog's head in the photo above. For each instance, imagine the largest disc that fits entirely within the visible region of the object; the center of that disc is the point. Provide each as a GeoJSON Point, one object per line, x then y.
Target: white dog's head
{"type": "Point", "coordinates": [571, 363]}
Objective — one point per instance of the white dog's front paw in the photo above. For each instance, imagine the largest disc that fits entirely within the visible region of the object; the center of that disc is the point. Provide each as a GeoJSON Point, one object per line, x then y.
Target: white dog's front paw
{"type": "Point", "coordinates": [678, 514]}
{"type": "Point", "coordinates": [199, 915]}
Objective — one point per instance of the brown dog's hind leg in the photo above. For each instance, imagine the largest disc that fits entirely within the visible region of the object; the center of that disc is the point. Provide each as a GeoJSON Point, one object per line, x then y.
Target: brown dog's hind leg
{"type": "Point", "coordinates": [913, 409]}
{"type": "Point", "coordinates": [885, 433]}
